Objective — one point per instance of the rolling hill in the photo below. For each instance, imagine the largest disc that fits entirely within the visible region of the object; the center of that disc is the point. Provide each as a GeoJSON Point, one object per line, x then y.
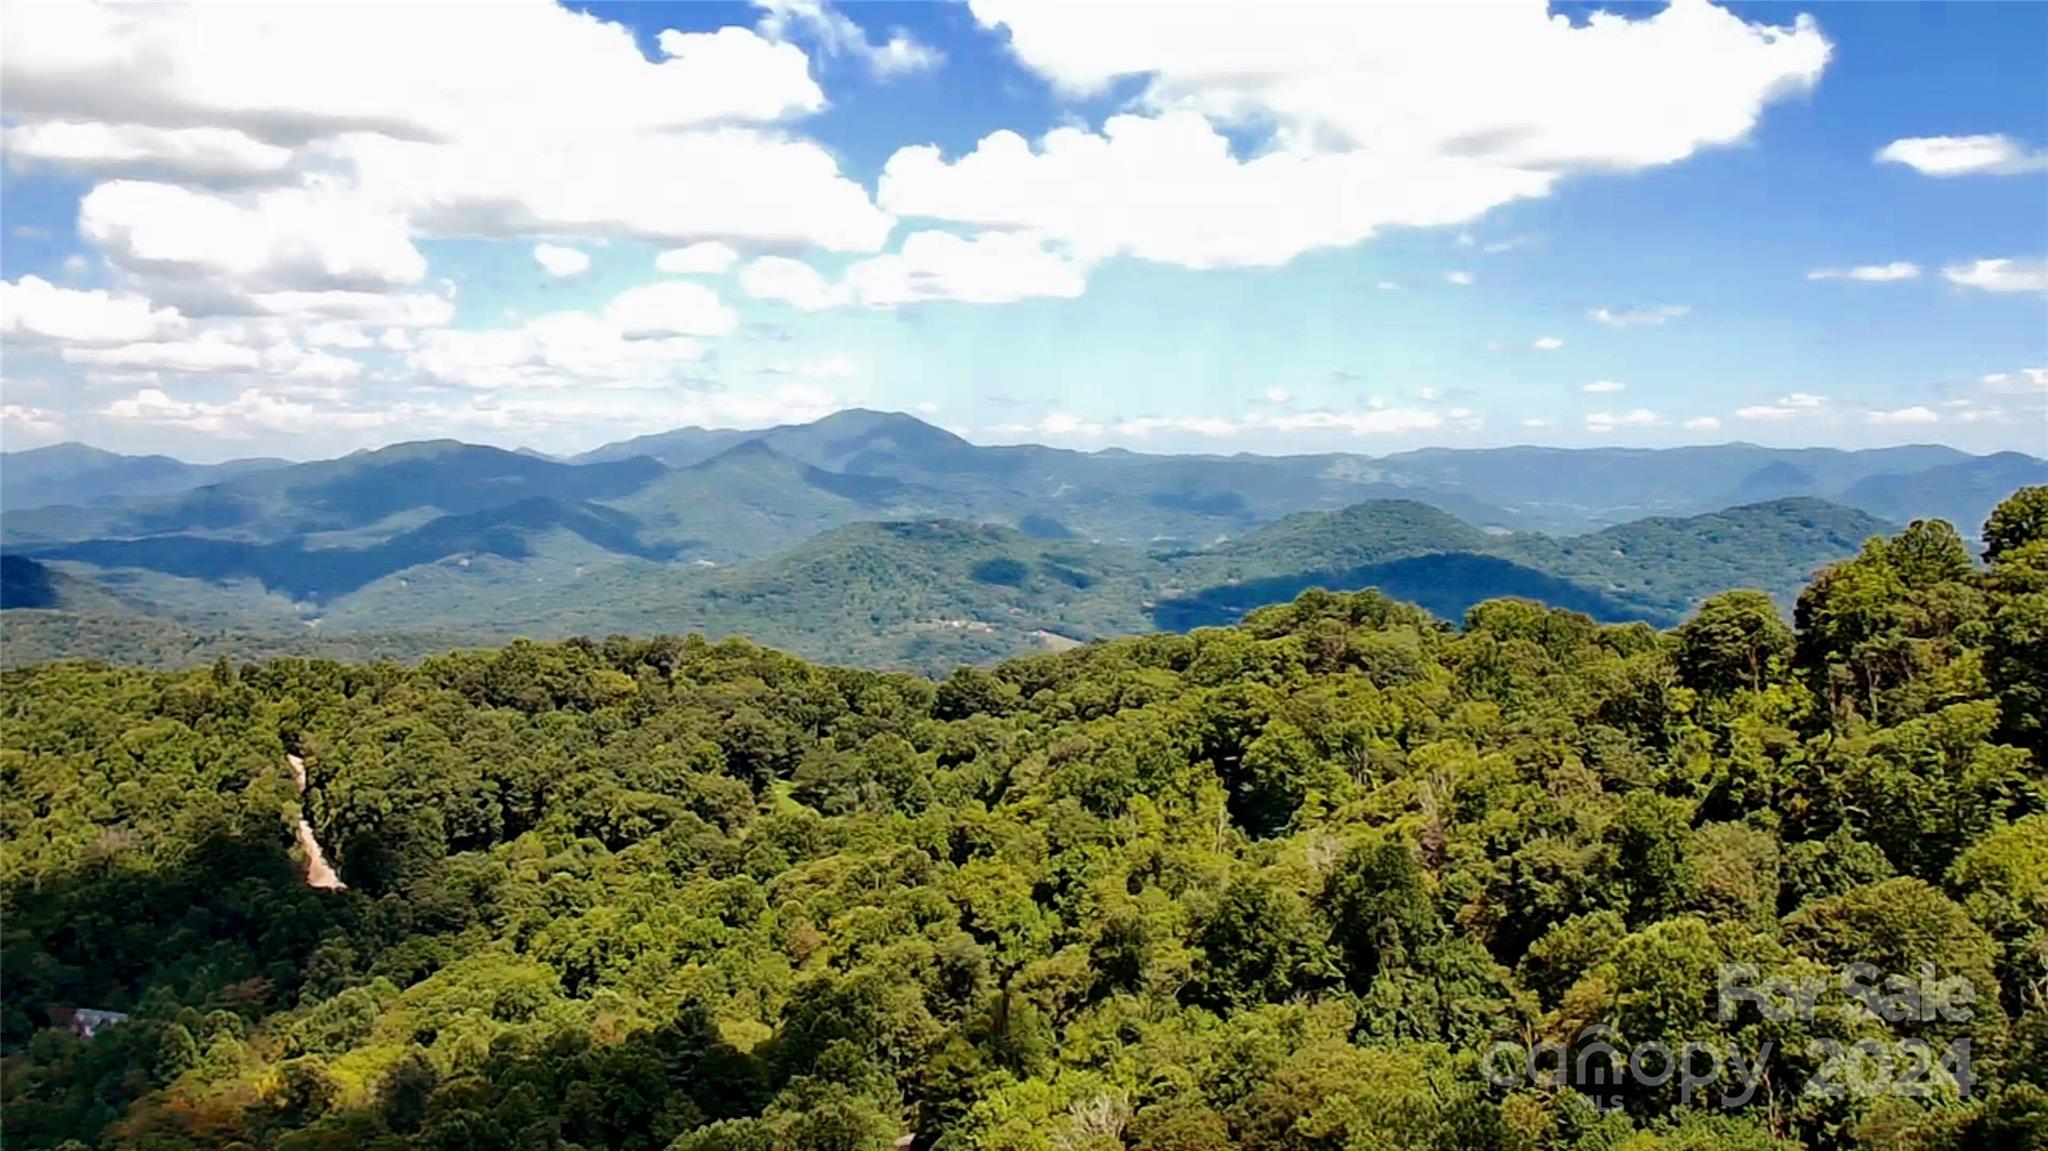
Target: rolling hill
{"type": "Point", "coordinates": [81, 475]}
{"type": "Point", "coordinates": [797, 535]}
{"type": "Point", "coordinates": [931, 593]}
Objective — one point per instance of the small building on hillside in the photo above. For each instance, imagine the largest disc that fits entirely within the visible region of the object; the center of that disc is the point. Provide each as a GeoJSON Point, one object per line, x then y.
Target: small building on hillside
{"type": "Point", "coordinates": [85, 1022]}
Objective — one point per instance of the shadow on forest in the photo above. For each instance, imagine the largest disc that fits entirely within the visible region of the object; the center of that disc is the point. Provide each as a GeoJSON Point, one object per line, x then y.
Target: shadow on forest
{"type": "Point", "coordinates": [231, 925]}
{"type": "Point", "coordinates": [1447, 584]}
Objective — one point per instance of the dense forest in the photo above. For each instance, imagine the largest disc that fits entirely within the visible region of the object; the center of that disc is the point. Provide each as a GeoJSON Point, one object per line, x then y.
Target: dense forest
{"type": "Point", "coordinates": [1294, 884]}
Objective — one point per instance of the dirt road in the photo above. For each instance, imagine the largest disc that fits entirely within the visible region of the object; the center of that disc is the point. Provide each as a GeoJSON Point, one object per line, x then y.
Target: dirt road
{"type": "Point", "coordinates": [319, 873]}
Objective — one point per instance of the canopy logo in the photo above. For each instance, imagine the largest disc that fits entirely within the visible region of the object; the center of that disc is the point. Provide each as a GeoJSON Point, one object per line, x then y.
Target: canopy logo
{"type": "Point", "coordinates": [1854, 1009]}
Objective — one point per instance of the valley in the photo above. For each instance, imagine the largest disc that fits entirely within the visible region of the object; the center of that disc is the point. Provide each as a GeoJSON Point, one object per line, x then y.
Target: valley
{"type": "Point", "coordinates": [877, 539]}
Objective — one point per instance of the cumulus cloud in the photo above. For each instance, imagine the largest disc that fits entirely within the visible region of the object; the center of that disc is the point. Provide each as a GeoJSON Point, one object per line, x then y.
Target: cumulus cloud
{"type": "Point", "coordinates": [1869, 273]}
{"type": "Point", "coordinates": [33, 422]}
{"type": "Point", "coordinates": [1548, 343]}
{"type": "Point", "coordinates": [1702, 424]}
{"type": "Point", "coordinates": [1144, 427]}
{"type": "Point", "coordinates": [1917, 414]}
{"type": "Point", "coordinates": [1462, 279]}
{"type": "Point", "coordinates": [670, 308]}
{"type": "Point", "coordinates": [1786, 407]}
{"type": "Point", "coordinates": [321, 237]}
{"type": "Point", "coordinates": [204, 155]}
{"type": "Point", "coordinates": [1377, 418]}
{"type": "Point", "coordinates": [244, 159]}
{"type": "Point", "coordinates": [252, 410]}
{"type": "Point", "coordinates": [1057, 424]}
{"type": "Point", "coordinates": [709, 258]}
{"type": "Point", "coordinates": [643, 338]}
{"type": "Point", "coordinates": [1651, 317]}
{"type": "Point", "coordinates": [557, 260]}
{"type": "Point", "coordinates": [1598, 387]}
{"type": "Point", "coordinates": [2003, 275]}
{"type": "Point", "coordinates": [32, 308]}
{"type": "Point", "coordinates": [1374, 116]}
{"type": "Point", "coordinates": [1946, 156]}
{"type": "Point", "coordinates": [991, 268]}
{"type": "Point", "coordinates": [1633, 418]}
{"type": "Point", "coordinates": [988, 268]}
{"type": "Point", "coordinates": [789, 281]}
{"type": "Point", "coordinates": [836, 34]}
{"type": "Point", "coordinates": [2026, 381]}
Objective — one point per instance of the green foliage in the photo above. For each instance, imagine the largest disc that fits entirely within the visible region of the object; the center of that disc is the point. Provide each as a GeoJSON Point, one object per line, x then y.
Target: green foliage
{"type": "Point", "coordinates": [1271, 887]}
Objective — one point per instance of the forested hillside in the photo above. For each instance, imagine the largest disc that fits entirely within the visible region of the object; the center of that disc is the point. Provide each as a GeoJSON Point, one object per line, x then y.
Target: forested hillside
{"type": "Point", "coordinates": [1294, 884]}
{"type": "Point", "coordinates": [923, 595]}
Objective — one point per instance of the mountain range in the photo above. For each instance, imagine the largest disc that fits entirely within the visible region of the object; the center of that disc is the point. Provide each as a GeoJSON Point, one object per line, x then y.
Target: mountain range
{"type": "Point", "coordinates": [877, 538]}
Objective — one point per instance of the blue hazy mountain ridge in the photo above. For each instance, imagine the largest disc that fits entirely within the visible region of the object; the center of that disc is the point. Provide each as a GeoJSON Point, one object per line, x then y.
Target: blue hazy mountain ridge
{"type": "Point", "coordinates": [733, 531]}
{"type": "Point", "coordinates": [77, 474]}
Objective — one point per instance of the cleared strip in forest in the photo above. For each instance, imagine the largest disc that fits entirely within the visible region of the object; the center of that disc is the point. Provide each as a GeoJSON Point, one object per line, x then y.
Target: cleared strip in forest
{"type": "Point", "coordinates": [319, 873]}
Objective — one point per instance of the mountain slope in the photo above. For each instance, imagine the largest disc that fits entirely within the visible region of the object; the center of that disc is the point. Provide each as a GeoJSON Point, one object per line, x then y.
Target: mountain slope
{"type": "Point", "coordinates": [751, 500]}
{"type": "Point", "coordinates": [1963, 492]}
{"type": "Point", "coordinates": [292, 568]}
{"type": "Point", "coordinates": [441, 476]}
{"type": "Point", "coordinates": [77, 474]}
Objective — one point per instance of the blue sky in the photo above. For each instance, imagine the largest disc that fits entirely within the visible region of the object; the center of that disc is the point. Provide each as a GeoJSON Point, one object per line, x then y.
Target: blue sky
{"type": "Point", "coordinates": [1281, 229]}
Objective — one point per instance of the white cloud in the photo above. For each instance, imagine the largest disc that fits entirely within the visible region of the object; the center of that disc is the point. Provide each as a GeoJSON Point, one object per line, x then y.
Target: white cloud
{"type": "Point", "coordinates": [1277, 395]}
{"type": "Point", "coordinates": [1548, 343]}
{"type": "Point", "coordinates": [1378, 115]}
{"type": "Point", "coordinates": [32, 308]}
{"type": "Point", "coordinates": [927, 408]}
{"type": "Point", "coordinates": [1144, 427]}
{"type": "Point", "coordinates": [1785, 408]}
{"type": "Point", "coordinates": [670, 308]}
{"type": "Point", "coordinates": [1372, 421]}
{"type": "Point", "coordinates": [557, 260]}
{"type": "Point", "coordinates": [314, 238]}
{"type": "Point", "coordinates": [2012, 275]}
{"type": "Point", "coordinates": [1064, 425]}
{"type": "Point", "coordinates": [1912, 415]}
{"type": "Point", "coordinates": [1650, 317]}
{"type": "Point", "coordinates": [1069, 424]}
{"type": "Point", "coordinates": [252, 410]}
{"type": "Point", "coordinates": [210, 352]}
{"type": "Point", "coordinates": [322, 181]}
{"type": "Point", "coordinates": [837, 35]}
{"type": "Point", "coordinates": [709, 258]}
{"type": "Point", "coordinates": [201, 154]}
{"type": "Point", "coordinates": [1377, 419]}
{"type": "Point", "coordinates": [1388, 286]}
{"type": "Point", "coordinates": [991, 268]}
{"type": "Point", "coordinates": [1537, 422]}
{"type": "Point", "coordinates": [642, 339]}
{"type": "Point", "coordinates": [36, 423]}
{"type": "Point", "coordinates": [1169, 190]}
{"type": "Point", "coordinates": [1598, 387]}
{"type": "Point", "coordinates": [2026, 381]}
{"type": "Point", "coordinates": [1462, 279]}
{"type": "Point", "coordinates": [337, 334]}
{"type": "Point", "coordinates": [1945, 156]}
{"type": "Point", "coordinates": [1702, 424]}
{"type": "Point", "coordinates": [792, 282]}
{"type": "Point", "coordinates": [400, 310]}
{"type": "Point", "coordinates": [1634, 418]}
{"type": "Point", "coordinates": [1869, 273]}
